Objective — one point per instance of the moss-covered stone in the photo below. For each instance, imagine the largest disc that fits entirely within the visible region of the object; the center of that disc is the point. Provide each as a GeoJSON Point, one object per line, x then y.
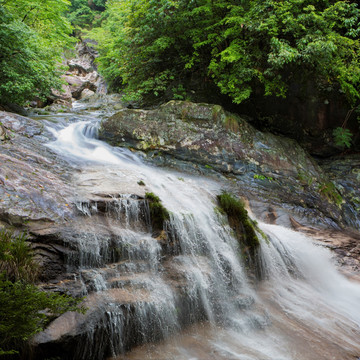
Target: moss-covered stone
{"type": "Point", "coordinates": [158, 213]}
{"type": "Point", "coordinates": [240, 222]}
{"type": "Point", "coordinates": [206, 139]}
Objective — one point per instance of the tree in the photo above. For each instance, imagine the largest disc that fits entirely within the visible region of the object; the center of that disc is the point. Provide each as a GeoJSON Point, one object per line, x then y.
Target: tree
{"type": "Point", "coordinates": [33, 35]}
{"type": "Point", "coordinates": [84, 13]}
{"type": "Point", "coordinates": [241, 46]}
{"type": "Point", "coordinates": [144, 45]}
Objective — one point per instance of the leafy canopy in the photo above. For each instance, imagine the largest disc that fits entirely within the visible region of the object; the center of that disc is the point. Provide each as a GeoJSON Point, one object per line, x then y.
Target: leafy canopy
{"type": "Point", "coordinates": [243, 47]}
{"type": "Point", "coordinates": [83, 14]}
{"type": "Point", "coordinates": [33, 35]}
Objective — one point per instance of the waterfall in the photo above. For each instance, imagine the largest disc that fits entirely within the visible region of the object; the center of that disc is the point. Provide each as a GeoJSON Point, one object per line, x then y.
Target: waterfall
{"type": "Point", "coordinates": [190, 288]}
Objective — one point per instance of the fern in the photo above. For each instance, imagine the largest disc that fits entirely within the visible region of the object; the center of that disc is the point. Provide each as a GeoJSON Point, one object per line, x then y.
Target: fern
{"type": "Point", "coordinates": [342, 137]}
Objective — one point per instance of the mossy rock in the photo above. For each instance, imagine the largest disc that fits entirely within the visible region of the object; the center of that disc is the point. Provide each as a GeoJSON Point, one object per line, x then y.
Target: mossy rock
{"type": "Point", "coordinates": [240, 222]}
{"type": "Point", "coordinates": [158, 213]}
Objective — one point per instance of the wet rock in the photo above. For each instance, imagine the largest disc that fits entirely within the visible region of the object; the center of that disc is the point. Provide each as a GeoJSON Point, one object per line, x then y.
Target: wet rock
{"type": "Point", "coordinates": [206, 139]}
{"type": "Point", "coordinates": [345, 246]}
{"type": "Point", "coordinates": [32, 180]}
{"type": "Point", "coordinates": [3, 133]}
{"type": "Point", "coordinates": [344, 171]}
{"type": "Point", "coordinates": [208, 135]}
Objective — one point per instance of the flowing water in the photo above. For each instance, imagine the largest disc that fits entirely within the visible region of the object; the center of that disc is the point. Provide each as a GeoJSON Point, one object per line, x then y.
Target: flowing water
{"type": "Point", "coordinates": [193, 299]}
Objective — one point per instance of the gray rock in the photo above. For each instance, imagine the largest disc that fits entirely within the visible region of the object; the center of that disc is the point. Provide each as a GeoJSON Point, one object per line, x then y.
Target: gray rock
{"type": "Point", "coordinates": [32, 179]}
{"type": "Point", "coordinates": [87, 93]}
{"type": "Point", "coordinates": [274, 168]}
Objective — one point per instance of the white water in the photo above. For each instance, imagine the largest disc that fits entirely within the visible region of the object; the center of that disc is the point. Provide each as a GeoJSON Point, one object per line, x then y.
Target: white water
{"type": "Point", "coordinates": [303, 309]}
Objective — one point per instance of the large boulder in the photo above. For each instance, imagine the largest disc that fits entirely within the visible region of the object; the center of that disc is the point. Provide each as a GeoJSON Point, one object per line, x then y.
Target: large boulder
{"type": "Point", "coordinates": [263, 165]}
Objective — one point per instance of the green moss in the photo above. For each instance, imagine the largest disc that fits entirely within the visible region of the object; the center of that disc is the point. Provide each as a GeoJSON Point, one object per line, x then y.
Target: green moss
{"type": "Point", "coordinates": [263, 177]}
{"type": "Point", "coordinates": [305, 179]}
{"type": "Point", "coordinates": [240, 222]}
{"type": "Point", "coordinates": [158, 213]}
{"type": "Point", "coordinates": [152, 197]}
{"type": "Point", "coordinates": [216, 111]}
{"type": "Point", "coordinates": [231, 124]}
{"type": "Point", "coordinates": [141, 183]}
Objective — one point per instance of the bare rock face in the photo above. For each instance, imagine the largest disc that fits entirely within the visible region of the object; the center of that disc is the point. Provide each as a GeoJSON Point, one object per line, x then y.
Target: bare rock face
{"type": "Point", "coordinates": [33, 183]}
{"type": "Point", "coordinates": [35, 191]}
{"type": "Point", "coordinates": [81, 76]}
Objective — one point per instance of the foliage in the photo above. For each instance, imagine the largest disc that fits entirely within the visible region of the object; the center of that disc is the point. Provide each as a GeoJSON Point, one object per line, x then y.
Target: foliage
{"type": "Point", "coordinates": [141, 45]}
{"type": "Point", "coordinates": [17, 257]}
{"type": "Point", "coordinates": [84, 14]}
{"type": "Point", "coordinates": [342, 137]}
{"type": "Point", "coordinates": [158, 213]}
{"type": "Point", "coordinates": [329, 191]}
{"type": "Point", "coordinates": [158, 47]}
{"type": "Point", "coordinates": [305, 178]}
{"type": "Point", "coordinates": [33, 35]}
{"type": "Point", "coordinates": [25, 310]}
{"type": "Point", "coordinates": [22, 311]}
{"type": "Point", "coordinates": [263, 177]}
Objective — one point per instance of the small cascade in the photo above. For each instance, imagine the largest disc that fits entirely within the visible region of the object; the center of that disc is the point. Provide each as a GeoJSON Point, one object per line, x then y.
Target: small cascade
{"type": "Point", "coordinates": [307, 270]}
{"type": "Point", "coordinates": [91, 131]}
{"type": "Point", "coordinates": [145, 284]}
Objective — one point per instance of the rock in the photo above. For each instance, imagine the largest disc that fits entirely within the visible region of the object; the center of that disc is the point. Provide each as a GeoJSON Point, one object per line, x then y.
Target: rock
{"type": "Point", "coordinates": [64, 95]}
{"type": "Point", "coordinates": [207, 134]}
{"type": "Point", "coordinates": [92, 77]}
{"type": "Point", "coordinates": [82, 75]}
{"type": "Point", "coordinates": [76, 85]}
{"type": "Point", "coordinates": [90, 227]}
{"type": "Point", "coordinates": [86, 93]}
{"type": "Point", "coordinates": [271, 167]}
{"type": "Point", "coordinates": [80, 66]}
{"type": "Point", "coordinates": [344, 171]}
{"type": "Point", "coordinates": [32, 183]}
{"type": "Point", "coordinates": [84, 63]}
{"type": "Point", "coordinates": [3, 133]}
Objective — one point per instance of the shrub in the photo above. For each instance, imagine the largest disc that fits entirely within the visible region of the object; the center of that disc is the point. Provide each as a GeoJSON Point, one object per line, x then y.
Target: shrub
{"type": "Point", "coordinates": [17, 257]}
{"type": "Point", "coordinates": [25, 309]}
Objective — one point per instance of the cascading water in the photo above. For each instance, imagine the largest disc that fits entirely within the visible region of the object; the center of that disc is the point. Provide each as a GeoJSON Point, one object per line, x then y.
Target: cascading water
{"type": "Point", "coordinates": [193, 283]}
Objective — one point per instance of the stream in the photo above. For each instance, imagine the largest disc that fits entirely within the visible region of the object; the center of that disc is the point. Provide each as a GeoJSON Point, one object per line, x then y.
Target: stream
{"type": "Point", "coordinates": [193, 300]}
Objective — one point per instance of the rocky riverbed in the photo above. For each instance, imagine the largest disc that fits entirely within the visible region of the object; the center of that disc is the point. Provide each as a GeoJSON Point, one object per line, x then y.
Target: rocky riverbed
{"type": "Point", "coordinates": [51, 198]}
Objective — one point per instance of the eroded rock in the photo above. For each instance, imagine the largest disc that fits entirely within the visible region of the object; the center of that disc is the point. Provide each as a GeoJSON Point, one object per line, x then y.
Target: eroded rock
{"type": "Point", "coordinates": [32, 181]}
{"type": "Point", "coordinates": [206, 138]}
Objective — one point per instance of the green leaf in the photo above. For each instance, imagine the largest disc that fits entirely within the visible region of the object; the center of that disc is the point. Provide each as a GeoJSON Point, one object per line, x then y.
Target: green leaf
{"type": "Point", "coordinates": [342, 137]}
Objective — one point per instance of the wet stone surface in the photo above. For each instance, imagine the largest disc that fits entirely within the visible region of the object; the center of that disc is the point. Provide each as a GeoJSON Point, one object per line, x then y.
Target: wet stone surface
{"type": "Point", "coordinates": [92, 233]}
